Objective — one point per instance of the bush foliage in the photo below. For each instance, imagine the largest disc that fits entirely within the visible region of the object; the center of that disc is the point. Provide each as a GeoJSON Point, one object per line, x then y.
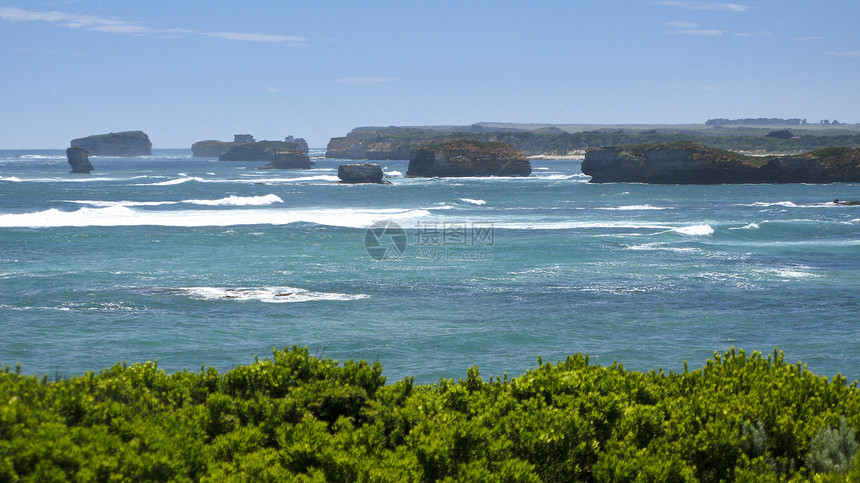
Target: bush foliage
{"type": "Point", "coordinates": [295, 417]}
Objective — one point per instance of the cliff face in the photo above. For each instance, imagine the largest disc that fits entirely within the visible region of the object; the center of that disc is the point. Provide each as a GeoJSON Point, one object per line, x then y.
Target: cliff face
{"type": "Point", "coordinates": [467, 158]}
{"type": "Point", "coordinates": [211, 148]}
{"type": "Point", "coordinates": [360, 173]}
{"type": "Point", "coordinates": [289, 159]}
{"type": "Point", "coordinates": [257, 151]}
{"type": "Point", "coordinates": [128, 143]}
{"type": "Point", "coordinates": [79, 160]}
{"type": "Point", "coordinates": [691, 163]}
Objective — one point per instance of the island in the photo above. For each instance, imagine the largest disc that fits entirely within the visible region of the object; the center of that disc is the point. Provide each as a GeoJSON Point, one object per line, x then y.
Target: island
{"type": "Point", "coordinates": [123, 144]}
{"type": "Point", "coordinates": [212, 148]}
{"type": "Point", "coordinates": [461, 158]}
{"type": "Point", "coordinates": [688, 162]}
{"type": "Point", "coordinates": [279, 154]}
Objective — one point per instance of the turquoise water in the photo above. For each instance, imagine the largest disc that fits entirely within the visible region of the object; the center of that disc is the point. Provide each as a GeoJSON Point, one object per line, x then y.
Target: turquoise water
{"type": "Point", "coordinates": [197, 262]}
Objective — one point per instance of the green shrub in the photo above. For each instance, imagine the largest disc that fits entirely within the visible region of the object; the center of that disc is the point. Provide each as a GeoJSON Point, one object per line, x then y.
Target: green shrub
{"type": "Point", "coordinates": [295, 417]}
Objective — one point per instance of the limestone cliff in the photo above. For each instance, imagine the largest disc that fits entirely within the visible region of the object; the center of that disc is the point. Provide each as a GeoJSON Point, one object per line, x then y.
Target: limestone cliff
{"type": "Point", "coordinates": [360, 173]}
{"type": "Point", "coordinates": [79, 160]}
{"type": "Point", "coordinates": [211, 148]}
{"type": "Point", "coordinates": [467, 158]}
{"type": "Point", "coordinates": [688, 162]}
{"type": "Point", "coordinates": [289, 159]}
{"type": "Point", "coordinates": [127, 143]}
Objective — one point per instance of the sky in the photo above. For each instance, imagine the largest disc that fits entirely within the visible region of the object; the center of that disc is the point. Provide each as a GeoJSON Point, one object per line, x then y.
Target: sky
{"type": "Point", "coordinates": [190, 70]}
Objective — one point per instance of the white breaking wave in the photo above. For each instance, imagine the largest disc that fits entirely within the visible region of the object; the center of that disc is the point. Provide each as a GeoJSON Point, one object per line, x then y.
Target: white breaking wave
{"type": "Point", "coordinates": [239, 201]}
{"type": "Point", "coordinates": [393, 173]}
{"type": "Point", "coordinates": [171, 182]}
{"type": "Point", "coordinates": [228, 201]}
{"type": "Point", "coordinates": [663, 247]}
{"type": "Point", "coordinates": [786, 204]}
{"type": "Point", "coordinates": [126, 216]}
{"type": "Point", "coordinates": [265, 294]}
{"type": "Point", "coordinates": [12, 179]}
{"type": "Point", "coordinates": [247, 180]}
{"type": "Point", "coordinates": [636, 208]}
{"type": "Point", "coordinates": [751, 226]}
{"type": "Point", "coordinates": [695, 230]}
{"type": "Point", "coordinates": [473, 202]}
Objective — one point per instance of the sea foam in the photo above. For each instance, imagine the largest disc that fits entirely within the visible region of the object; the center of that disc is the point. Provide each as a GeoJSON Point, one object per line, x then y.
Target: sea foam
{"type": "Point", "coordinates": [127, 216]}
{"type": "Point", "coordinates": [265, 294]}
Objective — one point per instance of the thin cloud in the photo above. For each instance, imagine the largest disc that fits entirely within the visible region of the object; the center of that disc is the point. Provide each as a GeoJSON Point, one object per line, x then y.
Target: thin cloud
{"type": "Point", "coordinates": [255, 37]}
{"type": "Point", "coordinates": [365, 80]}
{"type": "Point", "coordinates": [114, 26]}
{"type": "Point", "coordinates": [682, 25]}
{"type": "Point", "coordinates": [804, 39]}
{"type": "Point", "coordinates": [701, 32]}
{"type": "Point", "coordinates": [716, 7]}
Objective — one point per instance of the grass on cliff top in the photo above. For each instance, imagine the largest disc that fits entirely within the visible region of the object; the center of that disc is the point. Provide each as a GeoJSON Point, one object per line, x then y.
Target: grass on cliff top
{"type": "Point", "coordinates": [471, 145]}
{"type": "Point", "coordinates": [699, 151]}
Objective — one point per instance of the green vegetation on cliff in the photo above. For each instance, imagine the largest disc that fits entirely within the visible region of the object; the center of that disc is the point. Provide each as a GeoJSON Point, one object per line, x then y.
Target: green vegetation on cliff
{"type": "Point", "coordinates": [394, 143]}
{"type": "Point", "coordinates": [295, 417]}
{"type": "Point", "coordinates": [258, 151]}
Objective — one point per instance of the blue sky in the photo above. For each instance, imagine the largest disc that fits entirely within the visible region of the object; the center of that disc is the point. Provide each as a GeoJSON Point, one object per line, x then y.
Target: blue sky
{"type": "Point", "coordinates": [184, 71]}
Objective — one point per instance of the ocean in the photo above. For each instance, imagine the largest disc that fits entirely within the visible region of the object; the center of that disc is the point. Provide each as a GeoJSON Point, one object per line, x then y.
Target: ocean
{"type": "Point", "coordinates": [194, 262]}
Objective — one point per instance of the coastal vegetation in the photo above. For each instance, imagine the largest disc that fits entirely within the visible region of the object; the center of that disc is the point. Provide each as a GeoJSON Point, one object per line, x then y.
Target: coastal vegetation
{"type": "Point", "coordinates": [295, 417]}
{"type": "Point", "coordinates": [396, 142]}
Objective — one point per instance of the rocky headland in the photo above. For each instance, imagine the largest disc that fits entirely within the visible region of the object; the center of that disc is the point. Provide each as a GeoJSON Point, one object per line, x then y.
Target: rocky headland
{"type": "Point", "coordinates": [467, 158]}
{"type": "Point", "coordinates": [79, 159]}
{"type": "Point", "coordinates": [360, 173]}
{"type": "Point", "coordinates": [687, 162]}
{"type": "Point", "coordinates": [127, 143]}
{"type": "Point", "coordinates": [396, 142]}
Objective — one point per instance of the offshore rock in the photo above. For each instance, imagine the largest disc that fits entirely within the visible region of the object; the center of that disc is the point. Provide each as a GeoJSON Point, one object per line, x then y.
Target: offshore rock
{"type": "Point", "coordinates": [127, 143]}
{"type": "Point", "coordinates": [300, 142]}
{"type": "Point", "coordinates": [360, 173]}
{"type": "Point", "coordinates": [79, 159]}
{"type": "Point", "coordinates": [467, 158]}
{"type": "Point", "coordinates": [289, 159]}
{"type": "Point", "coordinates": [687, 162]}
{"type": "Point", "coordinates": [259, 151]}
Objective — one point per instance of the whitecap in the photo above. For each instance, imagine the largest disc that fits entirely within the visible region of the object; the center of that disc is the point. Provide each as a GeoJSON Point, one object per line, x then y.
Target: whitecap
{"type": "Point", "coordinates": [393, 173]}
{"type": "Point", "coordinates": [662, 247]}
{"type": "Point", "coordinates": [106, 204]}
{"type": "Point", "coordinates": [174, 181]}
{"type": "Point", "coordinates": [695, 230]}
{"type": "Point", "coordinates": [12, 179]}
{"type": "Point", "coordinates": [265, 294]}
{"type": "Point", "coordinates": [751, 226]}
{"type": "Point", "coordinates": [473, 202]}
{"type": "Point", "coordinates": [233, 200]}
{"type": "Point", "coordinates": [635, 208]}
{"type": "Point", "coordinates": [125, 216]}
{"type": "Point", "coordinates": [786, 204]}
